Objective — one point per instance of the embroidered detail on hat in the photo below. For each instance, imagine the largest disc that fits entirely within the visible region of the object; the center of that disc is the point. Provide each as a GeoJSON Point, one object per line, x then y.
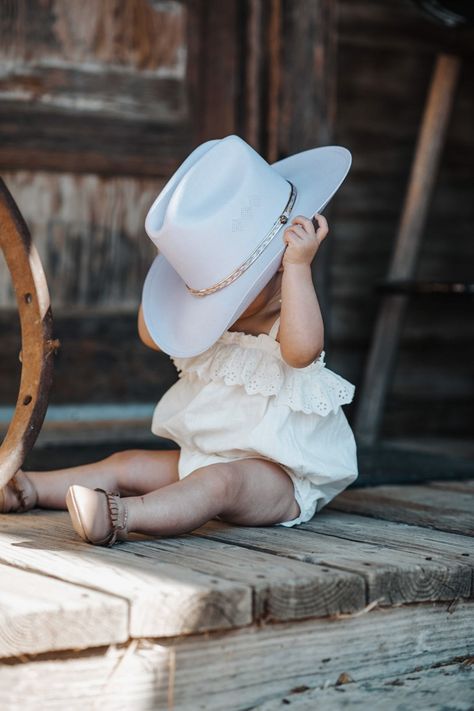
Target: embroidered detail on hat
{"type": "Point", "coordinates": [255, 254]}
{"type": "Point", "coordinates": [246, 212]}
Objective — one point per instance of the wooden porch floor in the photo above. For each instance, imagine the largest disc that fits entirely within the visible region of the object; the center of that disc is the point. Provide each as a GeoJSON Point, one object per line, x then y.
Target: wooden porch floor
{"type": "Point", "coordinates": [373, 594]}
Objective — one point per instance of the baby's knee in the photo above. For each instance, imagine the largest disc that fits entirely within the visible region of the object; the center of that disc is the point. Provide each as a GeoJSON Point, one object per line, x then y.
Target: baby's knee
{"type": "Point", "coordinates": [265, 496]}
{"type": "Point", "coordinates": [121, 461]}
{"type": "Point", "coordinates": [222, 481]}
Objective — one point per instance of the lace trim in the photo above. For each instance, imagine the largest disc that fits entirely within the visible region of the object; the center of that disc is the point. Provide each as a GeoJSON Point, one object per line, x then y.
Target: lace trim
{"type": "Point", "coordinates": [257, 365]}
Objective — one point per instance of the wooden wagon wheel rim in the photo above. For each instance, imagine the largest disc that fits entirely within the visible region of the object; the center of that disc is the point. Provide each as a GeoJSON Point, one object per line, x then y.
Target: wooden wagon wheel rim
{"type": "Point", "coordinates": [38, 346]}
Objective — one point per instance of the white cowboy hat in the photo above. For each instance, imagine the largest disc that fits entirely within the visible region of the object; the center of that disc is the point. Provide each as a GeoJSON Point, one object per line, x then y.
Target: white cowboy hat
{"type": "Point", "coordinates": [218, 225]}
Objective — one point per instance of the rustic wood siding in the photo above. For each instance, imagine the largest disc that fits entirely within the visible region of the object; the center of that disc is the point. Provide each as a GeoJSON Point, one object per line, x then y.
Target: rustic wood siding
{"type": "Point", "coordinates": [386, 53]}
{"type": "Point", "coordinates": [97, 87]}
{"type": "Point", "coordinates": [89, 232]}
{"type": "Point", "coordinates": [99, 102]}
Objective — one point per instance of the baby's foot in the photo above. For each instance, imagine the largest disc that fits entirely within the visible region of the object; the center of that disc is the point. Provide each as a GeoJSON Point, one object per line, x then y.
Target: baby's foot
{"type": "Point", "coordinates": [98, 516]}
{"type": "Point", "coordinates": [18, 495]}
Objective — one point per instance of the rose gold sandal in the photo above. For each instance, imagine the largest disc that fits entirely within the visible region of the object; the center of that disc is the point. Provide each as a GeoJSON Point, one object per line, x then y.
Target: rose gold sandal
{"type": "Point", "coordinates": [24, 492]}
{"type": "Point", "coordinates": [99, 520]}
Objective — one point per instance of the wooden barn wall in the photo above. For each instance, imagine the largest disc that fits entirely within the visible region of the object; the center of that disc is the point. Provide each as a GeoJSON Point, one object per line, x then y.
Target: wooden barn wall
{"type": "Point", "coordinates": [386, 54]}
{"type": "Point", "coordinates": [99, 102]}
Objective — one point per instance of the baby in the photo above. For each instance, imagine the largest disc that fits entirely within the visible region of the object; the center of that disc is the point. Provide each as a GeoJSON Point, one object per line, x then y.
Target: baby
{"type": "Point", "coordinates": [280, 470]}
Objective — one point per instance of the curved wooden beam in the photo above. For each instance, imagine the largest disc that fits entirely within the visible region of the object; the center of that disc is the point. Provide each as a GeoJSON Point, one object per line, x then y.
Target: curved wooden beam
{"type": "Point", "coordinates": [36, 335]}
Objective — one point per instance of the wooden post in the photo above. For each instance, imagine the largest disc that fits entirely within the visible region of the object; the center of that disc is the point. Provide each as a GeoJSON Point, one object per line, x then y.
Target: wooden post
{"type": "Point", "coordinates": [308, 101]}
{"type": "Point", "coordinates": [252, 117]}
{"type": "Point", "coordinates": [289, 90]}
{"type": "Point", "coordinates": [381, 359]}
{"type": "Point", "coordinates": [274, 79]}
{"type": "Point", "coordinates": [214, 67]}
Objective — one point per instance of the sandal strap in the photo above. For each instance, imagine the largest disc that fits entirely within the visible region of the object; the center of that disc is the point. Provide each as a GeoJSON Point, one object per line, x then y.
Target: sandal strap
{"type": "Point", "coordinates": [20, 493]}
{"type": "Point", "coordinates": [114, 513]}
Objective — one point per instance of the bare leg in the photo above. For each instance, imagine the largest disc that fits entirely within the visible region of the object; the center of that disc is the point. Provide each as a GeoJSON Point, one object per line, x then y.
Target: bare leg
{"type": "Point", "coordinates": [132, 472]}
{"type": "Point", "coordinates": [253, 492]}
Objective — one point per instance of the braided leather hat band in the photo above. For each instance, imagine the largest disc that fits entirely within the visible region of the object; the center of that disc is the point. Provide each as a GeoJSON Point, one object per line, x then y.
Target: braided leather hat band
{"type": "Point", "coordinates": [276, 227]}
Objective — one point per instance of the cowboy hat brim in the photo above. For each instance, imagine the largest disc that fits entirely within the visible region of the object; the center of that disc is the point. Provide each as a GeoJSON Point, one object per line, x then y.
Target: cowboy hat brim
{"type": "Point", "coordinates": [184, 325]}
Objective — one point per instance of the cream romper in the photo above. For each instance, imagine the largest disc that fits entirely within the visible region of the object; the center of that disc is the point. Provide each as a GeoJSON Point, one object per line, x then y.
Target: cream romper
{"type": "Point", "coordinates": [240, 399]}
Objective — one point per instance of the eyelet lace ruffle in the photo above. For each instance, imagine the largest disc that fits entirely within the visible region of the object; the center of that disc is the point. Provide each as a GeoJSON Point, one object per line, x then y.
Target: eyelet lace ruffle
{"type": "Point", "coordinates": [255, 363]}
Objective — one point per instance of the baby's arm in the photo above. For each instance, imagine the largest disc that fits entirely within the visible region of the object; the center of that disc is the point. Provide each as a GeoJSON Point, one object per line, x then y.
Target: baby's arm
{"type": "Point", "coordinates": [143, 332]}
{"type": "Point", "coordinates": [301, 332]}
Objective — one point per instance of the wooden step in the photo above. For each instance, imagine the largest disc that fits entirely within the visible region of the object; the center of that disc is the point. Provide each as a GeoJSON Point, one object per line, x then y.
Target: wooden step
{"type": "Point", "coordinates": [232, 616]}
{"type": "Point", "coordinates": [39, 613]}
{"type": "Point", "coordinates": [446, 686]}
{"type": "Point", "coordinates": [239, 669]}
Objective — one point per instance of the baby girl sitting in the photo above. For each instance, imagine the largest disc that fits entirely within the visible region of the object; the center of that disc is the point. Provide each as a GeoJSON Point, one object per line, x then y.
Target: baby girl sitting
{"type": "Point", "coordinates": [255, 412]}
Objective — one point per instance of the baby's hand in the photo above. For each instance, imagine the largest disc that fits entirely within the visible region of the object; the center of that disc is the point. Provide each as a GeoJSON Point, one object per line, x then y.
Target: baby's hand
{"type": "Point", "coordinates": [302, 240]}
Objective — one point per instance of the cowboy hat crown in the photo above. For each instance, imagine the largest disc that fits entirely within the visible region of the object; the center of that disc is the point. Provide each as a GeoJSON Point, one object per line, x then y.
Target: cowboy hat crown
{"type": "Point", "coordinates": [213, 215]}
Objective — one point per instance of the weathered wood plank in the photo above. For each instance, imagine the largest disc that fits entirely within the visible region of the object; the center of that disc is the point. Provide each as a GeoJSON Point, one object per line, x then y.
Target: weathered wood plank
{"type": "Point", "coordinates": [450, 417]}
{"type": "Point", "coordinates": [449, 686]}
{"type": "Point", "coordinates": [116, 94]}
{"type": "Point", "coordinates": [465, 487]}
{"type": "Point", "coordinates": [164, 599]}
{"type": "Point", "coordinates": [419, 505]}
{"type": "Point", "coordinates": [282, 589]}
{"type": "Point", "coordinates": [398, 24]}
{"type": "Point", "coordinates": [146, 149]}
{"type": "Point", "coordinates": [453, 311]}
{"type": "Point", "coordinates": [392, 576]}
{"type": "Point", "coordinates": [92, 424]}
{"type": "Point", "coordinates": [243, 668]}
{"type": "Point", "coordinates": [215, 67]}
{"type": "Point", "coordinates": [412, 462]}
{"type": "Point", "coordinates": [462, 447]}
{"type": "Point", "coordinates": [99, 88]}
{"type": "Point", "coordinates": [87, 144]}
{"type": "Point", "coordinates": [101, 360]}
{"type": "Point", "coordinates": [426, 542]}
{"type": "Point", "coordinates": [89, 232]}
{"type": "Point", "coordinates": [142, 35]}
{"type": "Point", "coordinates": [41, 614]}
{"type": "Point", "coordinates": [309, 77]}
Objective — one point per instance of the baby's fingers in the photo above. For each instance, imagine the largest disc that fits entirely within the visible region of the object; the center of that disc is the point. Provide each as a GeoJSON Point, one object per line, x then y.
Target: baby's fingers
{"type": "Point", "coordinates": [322, 227]}
{"type": "Point", "coordinates": [316, 227]}
{"type": "Point", "coordinates": [321, 220]}
{"type": "Point", "coordinates": [305, 223]}
{"type": "Point", "coordinates": [298, 231]}
{"type": "Point", "coordinates": [291, 235]}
